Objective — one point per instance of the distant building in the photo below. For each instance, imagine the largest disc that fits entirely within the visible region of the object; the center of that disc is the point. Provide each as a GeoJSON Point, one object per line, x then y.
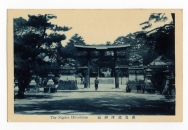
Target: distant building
{"type": "Point", "coordinates": [136, 73]}
{"type": "Point", "coordinates": [161, 61]}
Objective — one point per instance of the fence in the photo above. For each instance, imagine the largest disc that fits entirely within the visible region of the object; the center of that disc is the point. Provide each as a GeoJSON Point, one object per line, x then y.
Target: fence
{"type": "Point", "coordinates": [67, 85]}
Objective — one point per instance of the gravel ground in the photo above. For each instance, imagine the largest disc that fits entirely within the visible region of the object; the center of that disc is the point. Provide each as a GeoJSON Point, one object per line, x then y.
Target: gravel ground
{"type": "Point", "coordinates": [94, 103]}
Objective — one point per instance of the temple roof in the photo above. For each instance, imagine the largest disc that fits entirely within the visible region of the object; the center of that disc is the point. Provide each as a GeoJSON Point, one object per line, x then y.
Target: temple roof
{"type": "Point", "coordinates": [97, 48]}
{"type": "Point", "coordinates": [161, 60]}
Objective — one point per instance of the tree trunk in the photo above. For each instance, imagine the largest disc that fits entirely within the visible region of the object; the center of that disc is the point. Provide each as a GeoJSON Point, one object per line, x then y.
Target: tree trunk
{"type": "Point", "coordinates": [173, 18]}
{"type": "Point", "coordinates": [44, 31]}
{"type": "Point", "coordinates": [22, 84]}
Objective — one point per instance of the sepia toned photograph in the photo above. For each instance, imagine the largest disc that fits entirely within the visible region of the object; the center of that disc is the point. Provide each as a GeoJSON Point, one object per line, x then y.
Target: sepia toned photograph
{"type": "Point", "coordinates": [94, 65]}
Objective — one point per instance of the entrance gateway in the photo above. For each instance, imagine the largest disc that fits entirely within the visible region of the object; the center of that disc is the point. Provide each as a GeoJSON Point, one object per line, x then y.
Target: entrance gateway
{"type": "Point", "coordinates": [102, 50]}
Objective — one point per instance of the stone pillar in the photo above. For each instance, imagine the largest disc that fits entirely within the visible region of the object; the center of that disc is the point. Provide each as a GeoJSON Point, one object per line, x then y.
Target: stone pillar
{"type": "Point", "coordinates": [117, 79]}
{"type": "Point", "coordinates": [116, 73]}
{"type": "Point", "coordinates": [98, 71]}
{"type": "Point", "coordinates": [101, 56]}
{"type": "Point", "coordinates": [87, 78]}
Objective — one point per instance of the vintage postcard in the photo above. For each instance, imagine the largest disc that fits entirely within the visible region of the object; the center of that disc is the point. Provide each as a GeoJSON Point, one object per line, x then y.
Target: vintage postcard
{"type": "Point", "coordinates": [95, 65]}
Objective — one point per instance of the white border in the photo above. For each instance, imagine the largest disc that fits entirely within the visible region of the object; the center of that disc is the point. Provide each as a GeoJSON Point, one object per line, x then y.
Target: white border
{"type": "Point", "coordinates": [87, 4]}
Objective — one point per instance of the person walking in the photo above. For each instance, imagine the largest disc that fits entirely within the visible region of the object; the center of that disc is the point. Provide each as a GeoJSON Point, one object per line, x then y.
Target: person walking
{"type": "Point", "coordinates": [96, 83]}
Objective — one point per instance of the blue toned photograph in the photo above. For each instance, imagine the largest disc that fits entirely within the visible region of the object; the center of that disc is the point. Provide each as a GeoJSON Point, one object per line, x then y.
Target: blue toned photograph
{"type": "Point", "coordinates": [108, 63]}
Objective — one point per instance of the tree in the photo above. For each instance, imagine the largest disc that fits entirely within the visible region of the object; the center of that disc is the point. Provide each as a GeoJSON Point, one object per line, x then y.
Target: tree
{"type": "Point", "coordinates": [69, 51]}
{"type": "Point", "coordinates": [157, 41]}
{"type": "Point", "coordinates": [160, 40]}
{"type": "Point", "coordinates": [156, 17]}
{"type": "Point", "coordinates": [137, 47]}
{"type": "Point", "coordinates": [108, 43]}
{"type": "Point", "coordinates": [35, 51]}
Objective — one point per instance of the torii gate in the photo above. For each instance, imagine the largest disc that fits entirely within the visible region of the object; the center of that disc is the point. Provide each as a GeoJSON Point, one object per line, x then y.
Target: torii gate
{"type": "Point", "coordinates": [102, 49]}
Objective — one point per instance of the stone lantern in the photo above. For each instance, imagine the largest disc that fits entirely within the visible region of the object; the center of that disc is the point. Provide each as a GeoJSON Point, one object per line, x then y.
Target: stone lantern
{"type": "Point", "coordinates": [167, 73]}
{"type": "Point", "coordinates": [148, 72]}
{"type": "Point", "coordinates": [170, 79]}
{"type": "Point", "coordinates": [50, 83]}
{"type": "Point", "coordinates": [148, 84]}
{"type": "Point", "coordinates": [50, 87]}
{"type": "Point", "coordinates": [32, 85]}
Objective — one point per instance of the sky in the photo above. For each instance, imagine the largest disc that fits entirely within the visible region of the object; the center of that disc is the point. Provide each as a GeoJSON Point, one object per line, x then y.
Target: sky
{"type": "Point", "coordinates": [96, 26]}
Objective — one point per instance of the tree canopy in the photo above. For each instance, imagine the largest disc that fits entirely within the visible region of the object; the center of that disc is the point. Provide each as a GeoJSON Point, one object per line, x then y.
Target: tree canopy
{"type": "Point", "coordinates": [157, 41]}
{"type": "Point", "coordinates": [69, 51]}
{"type": "Point", "coordinates": [36, 45]}
{"type": "Point", "coordinates": [161, 39]}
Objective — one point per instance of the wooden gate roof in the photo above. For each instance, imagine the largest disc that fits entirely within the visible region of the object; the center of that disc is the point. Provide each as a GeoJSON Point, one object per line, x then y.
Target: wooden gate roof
{"type": "Point", "coordinates": [104, 48]}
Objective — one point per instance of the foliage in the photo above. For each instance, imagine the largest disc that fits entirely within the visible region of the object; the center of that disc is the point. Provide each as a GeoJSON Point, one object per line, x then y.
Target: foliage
{"type": "Point", "coordinates": [161, 39]}
{"type": "Point", "coordinates": [154, 17]}
{"type": "Point", "coordinates": [137, 47]}
{"type": "Point", "coordinates": [108, 43]}
{"type": "Point", "coordinates": [69, 51]}
{"type": "Point", "coordinates": [36, 51]}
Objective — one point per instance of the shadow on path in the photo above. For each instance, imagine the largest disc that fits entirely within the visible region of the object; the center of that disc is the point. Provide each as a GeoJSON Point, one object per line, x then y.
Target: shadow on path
{"type": "Point", "coordinates": [94, 106]}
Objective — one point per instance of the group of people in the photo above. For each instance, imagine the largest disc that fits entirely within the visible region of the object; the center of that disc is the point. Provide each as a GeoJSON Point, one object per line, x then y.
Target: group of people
{"type": "Point", "coordinates": [96, 82]}
{"type": "Point", "coordinates": [128, 89]}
